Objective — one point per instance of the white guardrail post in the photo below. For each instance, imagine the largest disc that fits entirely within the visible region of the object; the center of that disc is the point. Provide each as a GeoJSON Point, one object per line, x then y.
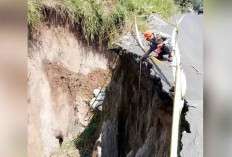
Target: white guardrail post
{"type": "Point", "coordinates": [180, 87]}
{"type": "Point", "coordinates": [179, 93]}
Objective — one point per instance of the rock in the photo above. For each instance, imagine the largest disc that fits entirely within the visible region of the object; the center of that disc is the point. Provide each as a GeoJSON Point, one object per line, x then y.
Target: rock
{"type": "Point", "coordinates": [93, 102]}
{"type": "Point", "coordinates": [96, 91]}
{"type": "Point", "coordinates": [137, 121]}
{"type": "Point", "coordinates": [101, 97]}
{"type": "Point", "coordinates": [131, 154]}
{"type": "Point", "coordinates": [155, 22]}
{"type": "Point", "coordinates": [98, 105]}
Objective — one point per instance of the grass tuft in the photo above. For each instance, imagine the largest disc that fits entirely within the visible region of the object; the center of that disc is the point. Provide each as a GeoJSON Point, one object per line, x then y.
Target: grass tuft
{"type": "Point", "coordinates": [35, 16]}
{"type": "Point", "coordinates": [86, 141]}
{"type": "Point", "coordinates": [101, 21]}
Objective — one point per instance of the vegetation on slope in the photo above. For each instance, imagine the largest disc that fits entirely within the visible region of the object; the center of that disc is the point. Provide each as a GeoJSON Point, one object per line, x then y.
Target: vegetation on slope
{"type": "Point", "coordinates": [35, 16]}
{"type": "Point", "coordinates": [196, 3]}
{"type": "Point", "coordinates": [184, 4]}
{"type": "Point", "coordinates": [99, 21]}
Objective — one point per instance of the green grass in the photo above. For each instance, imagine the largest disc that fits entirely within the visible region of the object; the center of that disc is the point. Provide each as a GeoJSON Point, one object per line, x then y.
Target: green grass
{"type": "Point", "coordinates": [35, 16]}
{"type": "Point", "coordinates": [196, 3]}
{"type": "Point", "coordinates": [183, 6]}
{"type": "Point", "coordinates": [101, 21]}
{"type": "Point", "coordinates": [86, 141]}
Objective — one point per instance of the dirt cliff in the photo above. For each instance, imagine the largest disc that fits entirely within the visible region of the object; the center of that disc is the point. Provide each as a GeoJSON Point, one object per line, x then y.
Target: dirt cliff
{"type": "Point", "coordinates": [62, 73]}
{"type": "Point", "coordinates": [137, 113]}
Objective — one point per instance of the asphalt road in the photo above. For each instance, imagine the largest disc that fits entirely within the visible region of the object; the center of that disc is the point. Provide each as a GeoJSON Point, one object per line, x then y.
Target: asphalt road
{"type": "Point", "coordinates": [191, 50]}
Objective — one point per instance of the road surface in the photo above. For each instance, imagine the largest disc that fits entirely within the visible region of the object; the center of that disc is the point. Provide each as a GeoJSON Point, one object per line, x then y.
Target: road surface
{"type": "Point", "coordinates": [191, 51]}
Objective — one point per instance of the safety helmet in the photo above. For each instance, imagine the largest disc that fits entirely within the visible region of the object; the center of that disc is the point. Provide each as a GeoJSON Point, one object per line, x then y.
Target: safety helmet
{"type": "Point", "coordinates": [147, 34]}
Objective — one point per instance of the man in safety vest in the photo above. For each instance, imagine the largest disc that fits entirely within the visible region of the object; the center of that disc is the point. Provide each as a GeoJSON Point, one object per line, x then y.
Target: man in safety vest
{"type": "Point", "coordinates": [159, 45]}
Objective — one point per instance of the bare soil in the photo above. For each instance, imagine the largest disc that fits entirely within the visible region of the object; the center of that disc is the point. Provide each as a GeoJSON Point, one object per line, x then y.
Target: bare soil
{"type": "Point", "coordinates": [80, 90]}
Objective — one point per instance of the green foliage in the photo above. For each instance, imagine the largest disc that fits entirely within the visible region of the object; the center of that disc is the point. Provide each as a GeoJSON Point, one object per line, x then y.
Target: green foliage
{"type": "Point", "coordinates": [101, 21]}
{"type": "Point", "coordinates": [35, 16]}
{"type": "Point", "coordinates": [85, 142]}
{"type": "Point", "coordinates": [143, 7]}
{"type": "Point", "coordinates": [196, 4]}
{"type": "Point", "coordinates": [165, 7]}
{"type": "Point", "coordinates": [184, 9]}
{"type": "Point", "coordinates": [183, 5]}
{"type": "Point", "coordinates": [85, 153]}
{"type": "Point", "coordinates": [87, 14]}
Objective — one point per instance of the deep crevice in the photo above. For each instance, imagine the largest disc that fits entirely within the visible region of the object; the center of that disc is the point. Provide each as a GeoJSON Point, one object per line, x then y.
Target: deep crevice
{"type": "Point", "coordinates": [60, 138]}
{"type": "Point", "coordinates": [142, 117]}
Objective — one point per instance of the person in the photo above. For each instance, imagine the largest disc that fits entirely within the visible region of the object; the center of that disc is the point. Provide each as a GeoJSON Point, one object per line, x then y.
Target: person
{"type": "Point", "coordinates": [159, 45]}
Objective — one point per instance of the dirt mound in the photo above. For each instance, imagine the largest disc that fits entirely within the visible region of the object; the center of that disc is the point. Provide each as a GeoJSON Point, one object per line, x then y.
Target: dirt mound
{"type": "Point", "coordinates": [75, 83]}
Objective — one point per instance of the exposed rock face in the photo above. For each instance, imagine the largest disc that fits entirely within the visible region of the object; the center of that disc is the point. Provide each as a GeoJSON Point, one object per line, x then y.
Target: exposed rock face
{"type": "Point", "coordinates": [137, 120]}
{"type": "Point", "coordinates": [137, 113]}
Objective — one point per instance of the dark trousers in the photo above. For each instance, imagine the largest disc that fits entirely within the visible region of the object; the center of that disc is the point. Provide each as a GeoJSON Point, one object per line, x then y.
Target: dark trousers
{"type": "Point", "coordinates": [165, 50]}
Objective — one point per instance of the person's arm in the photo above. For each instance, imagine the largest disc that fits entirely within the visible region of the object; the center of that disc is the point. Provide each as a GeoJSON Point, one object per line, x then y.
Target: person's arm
{"type": "Point", "coordinates": [166, 38]}
{"type": "Point", "coordinates": [152, 48]}
{"type": "Point", "coordinates": [166, 42]}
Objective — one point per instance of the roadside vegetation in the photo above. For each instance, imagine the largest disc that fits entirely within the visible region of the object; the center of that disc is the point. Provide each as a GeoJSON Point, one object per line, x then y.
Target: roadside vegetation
{"type": "Point", "coordinates": [196, 4]}
{"type": "Point", "coordinates": [184, 4]}
{"type": "Point", "coordinates": [86, 141]}
{"type": "Point", "coordinates": [34, 17]}
{"type": "Point", "coordinates": [101, 21]}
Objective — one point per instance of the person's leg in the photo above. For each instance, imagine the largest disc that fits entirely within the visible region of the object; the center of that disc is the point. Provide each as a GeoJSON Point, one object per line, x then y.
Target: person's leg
{"type": "Point", "coordinates": [160, 55]}
{"type": "Point", "coordinates": [166, 49]}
